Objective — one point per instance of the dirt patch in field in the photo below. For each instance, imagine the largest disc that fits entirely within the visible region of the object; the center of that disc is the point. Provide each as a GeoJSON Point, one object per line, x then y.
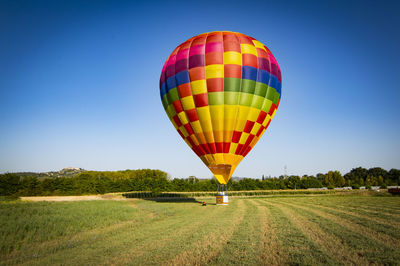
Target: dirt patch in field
{"type": "Point", "coordinates": [63, 198]}
{"type": "Point", "coordinates": [109, 196]}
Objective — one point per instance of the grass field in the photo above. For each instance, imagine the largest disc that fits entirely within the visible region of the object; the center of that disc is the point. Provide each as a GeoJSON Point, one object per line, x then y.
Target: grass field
{"type": "Point", "coordinates": [302, 230]}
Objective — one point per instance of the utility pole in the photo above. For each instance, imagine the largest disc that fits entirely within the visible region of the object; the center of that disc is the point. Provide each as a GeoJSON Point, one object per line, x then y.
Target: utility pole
{"type": "Point", "coordinates": [285, 171]}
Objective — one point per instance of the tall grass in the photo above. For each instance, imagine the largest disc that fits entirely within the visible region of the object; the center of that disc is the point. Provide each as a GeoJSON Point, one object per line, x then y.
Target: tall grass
{"type": "Point", "coordinates": [22, 223]}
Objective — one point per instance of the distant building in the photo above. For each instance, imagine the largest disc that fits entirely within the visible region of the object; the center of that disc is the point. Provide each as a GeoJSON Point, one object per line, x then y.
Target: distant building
{"type": "Point", "coordinates": [317, 188]}
{"type": "Point", "coordinates": [343, 188]}
{"type": "Point", "coordinates": [73, 168]}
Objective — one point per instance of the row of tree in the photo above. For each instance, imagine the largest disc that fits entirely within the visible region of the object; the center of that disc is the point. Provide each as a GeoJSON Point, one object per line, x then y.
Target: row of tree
{"type": "Point", "coordinates": [96, 182]}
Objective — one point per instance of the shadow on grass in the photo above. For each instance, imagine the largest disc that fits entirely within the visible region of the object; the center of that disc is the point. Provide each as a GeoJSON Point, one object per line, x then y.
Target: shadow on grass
{"type": "Point", "coordinates": [161, 197]}
{"type": "Point", "coordinates": [180, 199]}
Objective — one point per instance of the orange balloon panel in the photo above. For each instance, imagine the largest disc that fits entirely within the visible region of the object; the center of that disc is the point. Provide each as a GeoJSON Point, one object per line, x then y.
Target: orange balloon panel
{"type": "Point", "coordinates": [220, 90]}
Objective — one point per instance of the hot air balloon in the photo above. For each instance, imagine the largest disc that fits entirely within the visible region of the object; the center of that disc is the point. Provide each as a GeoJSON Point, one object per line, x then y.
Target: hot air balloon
{"type": "Point", "coordinates": [220, 90]}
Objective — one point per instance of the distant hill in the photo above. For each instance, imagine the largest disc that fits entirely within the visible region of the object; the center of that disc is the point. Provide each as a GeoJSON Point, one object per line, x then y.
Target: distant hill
{"type": "Point", "coordinates": [65, 172]}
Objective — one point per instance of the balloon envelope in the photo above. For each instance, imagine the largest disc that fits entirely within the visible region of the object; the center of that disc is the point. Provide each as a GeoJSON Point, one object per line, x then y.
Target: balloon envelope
{"type": "Point", "coordinates": [220, 90]}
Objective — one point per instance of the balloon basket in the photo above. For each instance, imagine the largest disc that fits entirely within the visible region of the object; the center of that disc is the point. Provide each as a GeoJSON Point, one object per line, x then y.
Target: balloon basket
{"type": "Point", "coordinates": [222, 195]}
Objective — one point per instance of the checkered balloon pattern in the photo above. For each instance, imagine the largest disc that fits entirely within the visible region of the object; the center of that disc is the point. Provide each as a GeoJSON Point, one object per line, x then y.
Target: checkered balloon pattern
{"type": "Point", "coordinates": [220, 90]}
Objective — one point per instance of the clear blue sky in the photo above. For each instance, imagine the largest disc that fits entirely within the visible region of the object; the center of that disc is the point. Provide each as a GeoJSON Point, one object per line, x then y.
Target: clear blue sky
{"type": "Point", "coordinates": [79, 84]}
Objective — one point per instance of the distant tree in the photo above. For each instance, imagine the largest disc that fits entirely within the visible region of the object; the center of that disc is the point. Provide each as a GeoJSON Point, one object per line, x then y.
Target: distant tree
{"type": "Point", "coordinates": [310, 182]}
{"type": "Point", "coordinates": [338, 179]}
{"type": "Point", "coordinates": [393, 177]}
{"type": "Point", "coordinates": [328, 181]}
{"type": "Point", "coordinates": [356, 176]}
{"type": "Point", "coordinates": [381, 180]}
{"type": "Point", "coordinates": [320, 177]}
{"type": "Point", "coordinates": [371, 181]}
{"type": "Point", "coordinates": [377, 171]}
{"type": "Point", "coordinates": [91, 182]}
{"type": "Point", "coordinates": [293, 182]}
{"type": "Point", "coordinates": [9, 184]}
{"type": "Point", "coordinates": [30, 186]}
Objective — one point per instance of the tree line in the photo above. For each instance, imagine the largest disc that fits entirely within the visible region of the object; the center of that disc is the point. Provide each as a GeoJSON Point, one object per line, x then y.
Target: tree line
{"type": "Point", "coordinates": [100, 182]}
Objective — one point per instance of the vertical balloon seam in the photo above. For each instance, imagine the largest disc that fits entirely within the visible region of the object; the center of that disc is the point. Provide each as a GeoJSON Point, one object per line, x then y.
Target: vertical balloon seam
{"type": "Point", "coordinates": [238, 105]}
{"type": "Point", "coordinates": [244, 147]}
{"type": "Point", "coordinates": [239, 93]}
{"type": "Point", "coordinates": [210, 95]}
{"type": "Point", "coordinates": [271, 77]}
{"type": "Point", "coordinates": [240, 148]}
{"type": "Point", "coordinates": [234, 164]}
{"type": "Point", "coordinates": [186, 138]}
{"type": "Point", "coordinates": [223, 106]}
{"type": "Point", "coordinates": [202, 157]}
{"type": "Point", "coordinates": [271, 65]}
{"type": "Point", "coordinates": [201, 126]}
{"type": "Point", "coordinates": [209, 107]}
{"type": "Point", "coordinates": [239, 110]}
{"type": "Point", "coordinates": [167, 94]}
{"type": "Point", "coordinates": [255, 138]}
{"type": "Point", "coordinates": [279, 75]}
{"type": "Point", "coordinates": [209, 136]}
{"type": "Point", "coordinates": [242, 112]}
{"type": "Point", "coordinates": [265, 96]}
{"type": "Point", "coordinates": [226, 136]}
{"type": "Point", "coordinates": [199, 146]}
{"type": "Point", "coordinates": [269, 87]}
{"type": "Point", "coordinates": [221, 36]}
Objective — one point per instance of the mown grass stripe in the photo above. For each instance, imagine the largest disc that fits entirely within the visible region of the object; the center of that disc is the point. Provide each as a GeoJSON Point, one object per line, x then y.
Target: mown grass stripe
{"type": "Point", "coordinates": [244, 246]}
{"type": "Point", "coordinates": [65, 242]}
{"type": "Point", "coordinates": [371, 202]}
{"type": "Point", "coordinates": [353, 242]}
{"type": "Point", "coordinates": [387, 204]}
{"type": "Point", "coordinates": [391, 218]}
{"type": "Point", "coordinates": [375, 213]}
{"type": "Point", "coordinates": [159, 250]}
{"type": "Point", "coordinates": [388, 227]}
{"type": "Point", "coordinates": [356, 227]}
{"type": "Point", "coordinates": [30, 250]}
{"type": "Point", "coordinates": [272, 251]}
{"type": "Point", "coordinates": [209, 246]}
{"type": "Point", "coordinates": [342, 209]}
{"type": "Point", "coordinates": [114, 242]}
{"type": "Point", "coordinates": [301, 250]}
{"type": "Point", "coordinates": [329, 243]}
{"type": "Point", "coordinates": [24, 223]}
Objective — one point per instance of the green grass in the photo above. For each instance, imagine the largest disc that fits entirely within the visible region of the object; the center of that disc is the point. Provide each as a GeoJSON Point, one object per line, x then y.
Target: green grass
{"type": "Point", "coordinates": [298, 230]}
